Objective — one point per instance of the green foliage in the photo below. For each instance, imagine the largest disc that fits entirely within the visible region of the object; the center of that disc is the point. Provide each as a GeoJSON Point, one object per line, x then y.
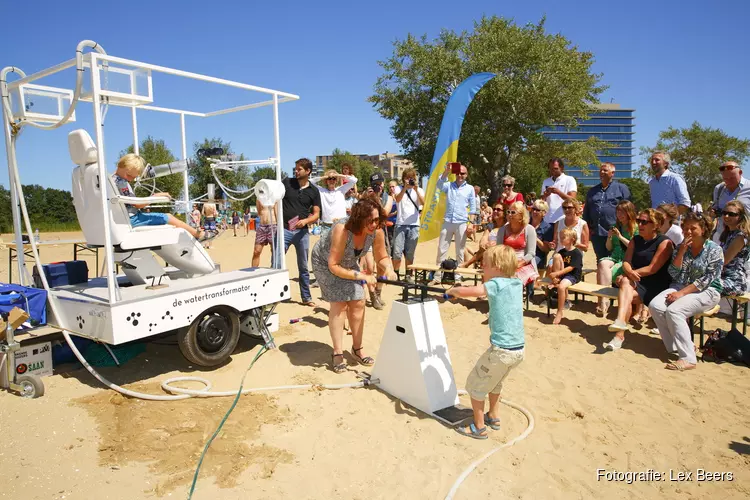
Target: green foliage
{"type": "Point", "coordinates": [541, 79]}
{"type": "Point", "coordinates": [697, 152]}
{"type": "Point", "coordinates": [640, 194]}
{"type": "Point", "coordinates": [363, 169]}
{"type": "Point", "coordinates": [200, 171]}
{"type": "Point", "coordinates": [156, 152]}
{"type": "Point", "coordinates": [49, 209]}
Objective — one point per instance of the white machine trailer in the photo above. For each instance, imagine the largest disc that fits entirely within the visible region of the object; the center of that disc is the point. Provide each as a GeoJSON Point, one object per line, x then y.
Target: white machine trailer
{"type": "Point", "coordinates": [206, 307]}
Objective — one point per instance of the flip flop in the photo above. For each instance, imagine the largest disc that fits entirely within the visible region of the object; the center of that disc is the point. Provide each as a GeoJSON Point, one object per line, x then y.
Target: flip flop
{"type": "Point", "coordinates": [366, 361]}
{"type": "Point", "coordinates": [338, 368]}
{"type": "Point", "coordinates": [473, 432]}
{"type": "Point", "coordinates": [680, 366]}
{"type": "Point", "coordinates": [494, 423]}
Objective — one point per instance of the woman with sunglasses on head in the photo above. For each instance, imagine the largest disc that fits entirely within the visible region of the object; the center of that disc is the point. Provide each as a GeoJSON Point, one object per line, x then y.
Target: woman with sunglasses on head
{"type": "Point", "coordinates": [489, 237]}
{"type": "Point", "coordinates": [571, 220]}
{"type": "Point", "coordinates": [519, 235]}
{"type": "Point", "coordinates": [645, 271]}
{"type": "Point", "coordinates": [671, 225]}
{"type": "Point", "coordinates": [335, 260]}
{"type": "Point", "coordinates": [735, 242]}
{"type": "Point", "coordinates": [696, 287]}
{"type": "Point", "coordinates": [618, 239]}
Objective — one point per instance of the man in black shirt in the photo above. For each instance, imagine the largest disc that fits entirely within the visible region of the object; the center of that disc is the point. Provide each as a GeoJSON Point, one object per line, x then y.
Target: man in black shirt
{"type": "Point", "coordinates": [301, 207]}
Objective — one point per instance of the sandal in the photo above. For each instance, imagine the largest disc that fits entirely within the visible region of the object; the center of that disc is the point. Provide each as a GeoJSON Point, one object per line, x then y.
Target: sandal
{"type": "Point", "coordinates": [680, 366]}
{"type": "Point", "coordinates": [494, 423]}
{"type": "Point", "coordinates": [338, 368]}
{"type": "Point", "coordinates": [473, 432]}
{"type": "Point", "coordinates": [366, 361]}
{"type": "Point", "coordinates": [310, 303]}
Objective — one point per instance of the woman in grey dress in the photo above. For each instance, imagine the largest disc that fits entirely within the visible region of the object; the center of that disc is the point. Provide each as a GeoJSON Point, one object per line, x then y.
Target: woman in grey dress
{"type": "Point", "coordinates": [335, 261]}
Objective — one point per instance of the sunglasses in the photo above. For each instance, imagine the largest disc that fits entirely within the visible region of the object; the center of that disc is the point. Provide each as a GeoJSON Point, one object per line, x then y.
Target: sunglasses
{"type": "Point", "coordinates": [643, 222]}
{"type": "Point", "coordinates": [331, 179]}
{"type": "Point", "coordinates": [510, 212]}
{"type": "Point", "coordinates": [535, 210]}
{"type": "Point", "coordinates": [568, 207]}
{"type": "Point", "coordinates": [508, 185]}
{"type": "Point", "coordinates": [497, 209]}
{"type": "Point", "coordinates": [730, 214]}
{"type": "Point", "coordinates": [726, 167]}
{"type": "Point", "coordinates": [373, 220]}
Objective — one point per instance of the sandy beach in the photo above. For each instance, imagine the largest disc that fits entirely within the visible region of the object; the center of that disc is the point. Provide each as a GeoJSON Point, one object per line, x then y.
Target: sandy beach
{"type": "Point", "coordinates": [617, 411]}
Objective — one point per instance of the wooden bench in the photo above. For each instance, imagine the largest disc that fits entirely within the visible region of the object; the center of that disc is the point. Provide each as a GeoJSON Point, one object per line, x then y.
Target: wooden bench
{"type": "Point", "coordinates": [423, 269]}
{"type": "Point", "coordinates": [584, 288]}
{"type": "Point", "coordinates": [698, 318]}
{"type": "Point", "coordinates": [743, 300]}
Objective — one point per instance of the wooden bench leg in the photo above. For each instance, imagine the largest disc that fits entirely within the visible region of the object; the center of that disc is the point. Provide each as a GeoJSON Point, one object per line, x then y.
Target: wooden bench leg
{"type": "Point", "coordinates": [701, 335]}
{"type": "Point", "coordinates": [744, 320]}
{"type": "Point", "coordinates": [735, 312]}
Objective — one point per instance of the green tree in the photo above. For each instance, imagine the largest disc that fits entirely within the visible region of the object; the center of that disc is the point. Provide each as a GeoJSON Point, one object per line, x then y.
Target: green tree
{"type": "Point", "coordinates": [201, 175]}
{"type": "Point", "coordinates": [697, 152]}
{"type": "Point", "coordinates": [156, 152]}
{"type": "Point", "coordinates": [363, 169]}
{"type": "Point", "coordinates": [541, 79]}
{"type": "Point", "coordinates": [640, 194]}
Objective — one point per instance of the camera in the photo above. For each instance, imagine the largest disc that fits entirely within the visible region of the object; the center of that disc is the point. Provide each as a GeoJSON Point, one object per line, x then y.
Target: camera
{"type": "Point", "coordinates": [412, 182]}
{"type": "Point", "coordinates": [376, 187]}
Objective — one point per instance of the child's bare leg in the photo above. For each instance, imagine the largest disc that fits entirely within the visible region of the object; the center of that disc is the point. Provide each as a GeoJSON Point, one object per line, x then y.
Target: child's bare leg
{"type": "Point", "coordinates": [174, 221]}
{"type": "Point", "coordinates": [557, 264]}
{"type": "Point", "coordinates": [494, 411]}
{"type": "Point", "coordinates": [478, 407]}
{"type": "Point", "coordinates": [562, 296]}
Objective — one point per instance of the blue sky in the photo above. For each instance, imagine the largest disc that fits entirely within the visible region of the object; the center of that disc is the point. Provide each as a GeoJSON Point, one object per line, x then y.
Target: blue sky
{"type": "Point", "coordinates": [675, 62]}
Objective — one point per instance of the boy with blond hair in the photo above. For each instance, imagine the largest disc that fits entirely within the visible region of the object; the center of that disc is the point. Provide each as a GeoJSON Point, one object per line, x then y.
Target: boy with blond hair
{"type": "Point", "coordinates": [129, 168]}
{"type": "Point", "coordinates": [505, 297]}
{"type": "Point", "coordinates": [567, 268]}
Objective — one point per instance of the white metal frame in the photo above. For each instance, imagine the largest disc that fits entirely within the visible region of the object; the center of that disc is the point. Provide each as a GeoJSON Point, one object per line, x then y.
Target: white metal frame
{"type": "Point", "coordinates": [94, 62]}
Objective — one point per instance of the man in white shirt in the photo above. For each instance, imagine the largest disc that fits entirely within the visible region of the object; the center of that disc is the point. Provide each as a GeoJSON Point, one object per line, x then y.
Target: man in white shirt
{"type": "Point", "coordinates": [556, 189]}
{"type": "Point", "coordinates": [410, 199]}
{"type": "Point", "coordinates": [332, 198]}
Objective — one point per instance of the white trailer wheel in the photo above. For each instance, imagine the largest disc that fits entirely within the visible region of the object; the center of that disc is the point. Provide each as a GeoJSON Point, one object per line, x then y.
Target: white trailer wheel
{"type": "Point", "coordinates": [211, 338]}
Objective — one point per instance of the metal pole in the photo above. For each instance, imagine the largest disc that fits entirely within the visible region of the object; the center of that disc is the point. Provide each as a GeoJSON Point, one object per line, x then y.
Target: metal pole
{"type": "Point", "coordinates": [186, 193]}
{"type": "Point", "coordinates": [279, 209]}
{"type": "Point", "coordinates": [136, 146]}
{"type": "Point", "coordinates": [112, 289]}
{"type": "Point", "coordinates": [10, 150]}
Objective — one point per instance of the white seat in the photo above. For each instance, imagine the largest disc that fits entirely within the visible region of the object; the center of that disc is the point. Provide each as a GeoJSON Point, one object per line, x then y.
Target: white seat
{"type": "Point", "coordinates": [175, 245]}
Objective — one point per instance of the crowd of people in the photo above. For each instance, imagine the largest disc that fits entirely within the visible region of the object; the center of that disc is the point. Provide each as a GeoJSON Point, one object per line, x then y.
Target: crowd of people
{"type": "Point", "coordinates": [668, 261]}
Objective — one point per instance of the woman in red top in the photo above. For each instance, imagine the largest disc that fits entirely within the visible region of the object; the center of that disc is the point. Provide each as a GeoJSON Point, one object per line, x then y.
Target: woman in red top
{"type": "Point", "coordinates": [519, 235]}
{"type": "Point", "coordinates": [509, 196]}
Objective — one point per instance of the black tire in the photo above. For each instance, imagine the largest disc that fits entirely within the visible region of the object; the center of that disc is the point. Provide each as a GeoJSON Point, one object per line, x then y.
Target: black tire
{"type": "Point", "coordinates": [211, 338]}
{"type": "Point", "coordinates": [32, 386]}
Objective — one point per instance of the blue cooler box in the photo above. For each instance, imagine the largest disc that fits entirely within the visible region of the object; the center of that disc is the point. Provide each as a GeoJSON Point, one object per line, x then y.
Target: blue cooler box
{"type": "Point", "coordinates": [63, 273]}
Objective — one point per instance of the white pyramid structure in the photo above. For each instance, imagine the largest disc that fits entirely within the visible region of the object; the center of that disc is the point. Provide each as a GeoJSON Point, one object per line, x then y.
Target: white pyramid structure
{"type": "Point", "coordinates": [413, 363]}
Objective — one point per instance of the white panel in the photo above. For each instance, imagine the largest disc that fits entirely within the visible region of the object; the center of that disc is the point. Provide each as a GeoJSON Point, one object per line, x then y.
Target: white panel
{"type": "Point", "coordinates": [413, 362]}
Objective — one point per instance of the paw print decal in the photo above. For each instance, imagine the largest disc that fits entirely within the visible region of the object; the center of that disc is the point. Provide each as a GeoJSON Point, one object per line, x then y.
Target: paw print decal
{"type": "Point", "coordinates": [254, 296]}
{"type": "Point", "coordinates": [133, 318]}
{"type": "Point", "coordinates": [266, 282]}
{"type": "Point", "coordinates": [286, 289]}
{"type": "Point", "coordinates": [167, 315]}
{"type": "Point", "coordinates": [151, 325]}
{"type": "Point", "coordinates": [80, 321]}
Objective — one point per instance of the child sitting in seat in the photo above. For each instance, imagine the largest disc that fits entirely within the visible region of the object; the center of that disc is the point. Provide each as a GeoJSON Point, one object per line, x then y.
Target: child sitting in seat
{"type": "Point", "coordinates": [505, 297]}
{"type": "Point", "coordinates": [567, 268]}
{"type": "Point", "coordinates": [129, 168]}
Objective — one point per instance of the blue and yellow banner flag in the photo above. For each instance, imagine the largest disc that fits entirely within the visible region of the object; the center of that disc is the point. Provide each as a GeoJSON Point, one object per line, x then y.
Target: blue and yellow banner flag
{"type": "Point", "coordinates": [446, 151]}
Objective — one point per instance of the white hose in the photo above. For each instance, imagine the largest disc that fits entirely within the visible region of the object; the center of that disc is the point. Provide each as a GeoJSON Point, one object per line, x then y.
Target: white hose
{"type": "Point", "coordinates": [202, 393]}
{"type": "Point", "coordinates": [475, 464]}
